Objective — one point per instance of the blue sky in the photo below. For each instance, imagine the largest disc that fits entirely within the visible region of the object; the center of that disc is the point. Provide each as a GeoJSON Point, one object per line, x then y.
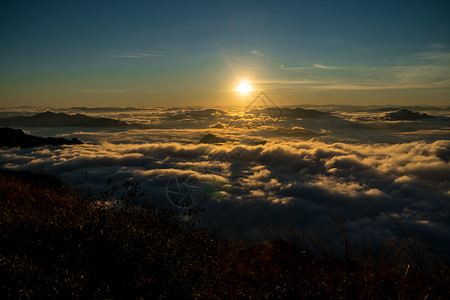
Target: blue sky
{"type": "Point", "coordinates": [152, 53]}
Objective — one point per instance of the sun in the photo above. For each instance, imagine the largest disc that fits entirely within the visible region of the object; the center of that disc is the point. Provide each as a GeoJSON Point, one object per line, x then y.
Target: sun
{"type": "Point", "coordinates": [244, 87]}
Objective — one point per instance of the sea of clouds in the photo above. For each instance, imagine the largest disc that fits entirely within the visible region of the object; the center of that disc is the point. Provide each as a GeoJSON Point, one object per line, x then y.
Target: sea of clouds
{"type": "Point", "coordinates": [371, 175]}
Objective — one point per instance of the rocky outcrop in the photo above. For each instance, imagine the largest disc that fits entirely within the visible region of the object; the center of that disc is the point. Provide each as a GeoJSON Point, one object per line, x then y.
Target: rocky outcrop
{"type": "Point", "coordinates": [211, 139]}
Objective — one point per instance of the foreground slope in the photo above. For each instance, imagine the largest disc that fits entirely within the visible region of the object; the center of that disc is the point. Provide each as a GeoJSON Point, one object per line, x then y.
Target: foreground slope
{"type": "Point", "coordinates": [54, 243]}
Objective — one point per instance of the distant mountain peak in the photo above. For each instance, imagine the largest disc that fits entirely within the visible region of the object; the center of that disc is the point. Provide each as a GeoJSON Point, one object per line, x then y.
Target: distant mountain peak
{"type": "Point", "coordinates": [404, 115]}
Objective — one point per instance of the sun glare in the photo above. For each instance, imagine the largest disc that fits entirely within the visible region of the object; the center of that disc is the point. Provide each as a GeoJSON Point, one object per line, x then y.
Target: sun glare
{"type": "Point", "coordinates": [244, 87]}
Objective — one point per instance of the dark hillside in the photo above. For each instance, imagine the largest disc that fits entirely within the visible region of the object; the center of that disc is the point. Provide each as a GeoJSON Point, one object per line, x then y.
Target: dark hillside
{"type": "Point", "coordinates": [53, 244]}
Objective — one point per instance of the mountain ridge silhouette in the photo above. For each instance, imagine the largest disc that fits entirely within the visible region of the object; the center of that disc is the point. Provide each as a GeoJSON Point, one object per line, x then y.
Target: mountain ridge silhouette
{"type": "Point", "coordinates": [10, 137]}
{"type": "Point", "coordinates": [52, 119]}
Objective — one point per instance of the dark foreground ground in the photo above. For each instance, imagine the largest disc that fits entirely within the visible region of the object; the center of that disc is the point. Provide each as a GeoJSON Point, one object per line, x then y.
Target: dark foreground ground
{"type": "Point", "coordinates": [55, 243]}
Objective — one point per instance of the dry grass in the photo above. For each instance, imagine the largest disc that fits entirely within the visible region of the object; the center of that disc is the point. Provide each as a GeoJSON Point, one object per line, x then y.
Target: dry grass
{"type": "Point", "coordinates": [54, 244]}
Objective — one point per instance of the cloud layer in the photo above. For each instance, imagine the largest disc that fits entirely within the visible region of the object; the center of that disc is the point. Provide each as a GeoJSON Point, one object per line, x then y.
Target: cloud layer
{"type": "Point", "coordinates": [370, 187]}
{"type": "Point", "coordinates": [348, 164]}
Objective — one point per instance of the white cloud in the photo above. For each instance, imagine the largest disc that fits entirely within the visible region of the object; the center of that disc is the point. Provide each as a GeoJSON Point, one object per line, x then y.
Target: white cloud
{"type": "Point", "coordinates": [285, 82]}
{"type": "Point", "coordinates": [257, 53]}
{"type": "Point", "coordinates": [323, 67]}
{"type": "Point", "coordinates": [135, 55]}
{"type": "Point", "coordinates": [436, 46]}
{"type": "Point", "coordinates": [105, 91]}
{"type": "Point", "coordinates": [114, 91]}
{"type": "Point", "coordinates": [294, 69]}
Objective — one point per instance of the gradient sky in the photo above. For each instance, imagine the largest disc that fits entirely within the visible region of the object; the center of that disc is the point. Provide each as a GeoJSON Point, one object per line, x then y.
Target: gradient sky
{"type": "Point", "coordinates": [171, 53]}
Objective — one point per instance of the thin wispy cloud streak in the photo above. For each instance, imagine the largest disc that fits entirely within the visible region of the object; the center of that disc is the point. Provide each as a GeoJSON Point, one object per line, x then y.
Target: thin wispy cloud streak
{"type": "Point", "coordinates": [139, 55]}
{"type": "Point", "coordinates": [116, 91]}
{"type": "Point", "coordinates": [323, 67]}
{"type": "Point", "coordinates": [257, 53]}
{"type": "Point", "coordinates": [431, 75]}
{"type": "Point", "coordinates": [294, 69]}
{"type": "Point", "coordinates": [425, 70]}
{"type": "Point", "coordinates": [288, 82]}
{"type": "Point", "coordinates": [437, 46]}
